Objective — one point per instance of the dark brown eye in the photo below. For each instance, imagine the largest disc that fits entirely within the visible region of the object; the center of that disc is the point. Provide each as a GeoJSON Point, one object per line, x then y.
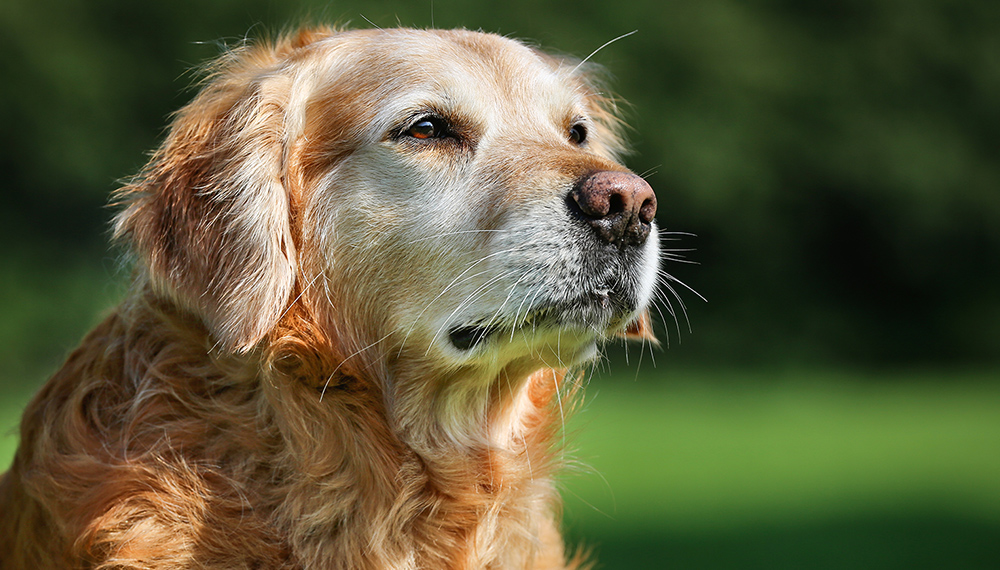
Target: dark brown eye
{"type": "Point", "coordinates": [578, 134]}
{"type": "Point", "coordinates": [427, 128]}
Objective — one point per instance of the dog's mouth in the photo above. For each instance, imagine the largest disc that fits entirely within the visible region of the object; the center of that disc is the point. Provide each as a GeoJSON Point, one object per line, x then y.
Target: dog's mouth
{"type": "Point", "coordinates": [469, 337]}
{"type": "Point", "coordinates": [600, 311]}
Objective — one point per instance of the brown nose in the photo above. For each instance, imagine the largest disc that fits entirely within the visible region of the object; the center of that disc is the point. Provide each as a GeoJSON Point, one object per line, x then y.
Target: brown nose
{"type": "Point", "coordinates": [619, 206]}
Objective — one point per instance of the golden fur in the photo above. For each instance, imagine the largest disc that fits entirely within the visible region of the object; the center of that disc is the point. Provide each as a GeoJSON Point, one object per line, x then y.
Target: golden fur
{"type": "Point", "coordinates": [279, 390]}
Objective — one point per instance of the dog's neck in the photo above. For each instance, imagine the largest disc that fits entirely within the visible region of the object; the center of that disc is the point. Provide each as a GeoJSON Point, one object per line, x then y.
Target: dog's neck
{"type": "Point", "coordinates": [471, 409]}
{"type": "Point", "coordinates": [467, 457]}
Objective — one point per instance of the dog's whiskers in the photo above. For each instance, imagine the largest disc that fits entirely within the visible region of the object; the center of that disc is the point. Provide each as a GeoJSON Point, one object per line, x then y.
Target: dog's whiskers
{"type": "Point", "coordinates": [299, 296]}
{"type": "Point", "coordinates": [478, 293]}
{"type": "Point", "coordinates": [460, 278]}
{"type": "Point", "coordinates": [517, 314]}
{"type": "Point", "coordinates": [649, 172]}
{"type": "Point", "coordinates": [455, 233]}
{"type": "Point", "coordinates": [342, 362]}
{"type": "Point", "coordinates": [510, 293]}
{"type": "Point", "coordinates": [416, 320]}
{"type": "Point", "coordinates": [606, 44]}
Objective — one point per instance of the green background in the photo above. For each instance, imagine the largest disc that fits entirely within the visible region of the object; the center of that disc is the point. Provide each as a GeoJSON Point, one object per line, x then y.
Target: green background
{"type": "Point", "coordinates": [834, 404]}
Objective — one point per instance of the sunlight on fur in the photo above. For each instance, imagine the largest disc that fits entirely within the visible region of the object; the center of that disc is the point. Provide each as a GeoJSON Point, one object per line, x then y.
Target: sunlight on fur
{"type": "Point", "coordinates": [367, 264]}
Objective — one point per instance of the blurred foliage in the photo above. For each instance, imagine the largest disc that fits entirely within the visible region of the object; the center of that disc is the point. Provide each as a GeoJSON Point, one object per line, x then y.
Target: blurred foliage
{"type": "Point", "coordinates": [837, 161]}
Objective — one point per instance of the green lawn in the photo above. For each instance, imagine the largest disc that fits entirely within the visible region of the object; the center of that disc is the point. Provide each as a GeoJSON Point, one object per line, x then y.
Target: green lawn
{"type": "Point", "coordinates": [798, 471]}
{"type": "Point", "coordinates": [807, 470]}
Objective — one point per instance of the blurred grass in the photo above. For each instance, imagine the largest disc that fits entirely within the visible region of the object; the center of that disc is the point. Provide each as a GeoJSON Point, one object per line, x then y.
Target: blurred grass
{"type": "Point", "coordinates": [732, 447]}
{"type": "Point", "coordinates": [798, 470]}
{"type": "Point", "coordinates": [811, 469]}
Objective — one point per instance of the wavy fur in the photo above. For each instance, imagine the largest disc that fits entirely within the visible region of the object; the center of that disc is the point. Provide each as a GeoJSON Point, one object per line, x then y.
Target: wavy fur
{"type": "Point", "coordinates": [278, 389]}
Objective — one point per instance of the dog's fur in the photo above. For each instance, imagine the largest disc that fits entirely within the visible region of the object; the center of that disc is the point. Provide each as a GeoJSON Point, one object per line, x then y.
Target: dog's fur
{"type": "Point", "coordinates": [287, 385]}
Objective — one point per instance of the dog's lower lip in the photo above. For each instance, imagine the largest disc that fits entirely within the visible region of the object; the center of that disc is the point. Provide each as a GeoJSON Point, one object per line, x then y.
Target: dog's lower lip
{"type": "Point", "coordinates": [467, 337]}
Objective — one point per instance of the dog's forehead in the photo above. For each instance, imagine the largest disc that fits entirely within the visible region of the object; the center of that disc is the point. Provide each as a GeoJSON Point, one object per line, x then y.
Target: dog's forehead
{"type": "Point", "coordinates": [506, 65]}
{"type": "Point", "coordinates": [471, 68]}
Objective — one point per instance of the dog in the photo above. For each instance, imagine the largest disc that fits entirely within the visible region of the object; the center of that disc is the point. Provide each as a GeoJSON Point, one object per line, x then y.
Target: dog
{"type": "Point", "coordinates": [364, 262]}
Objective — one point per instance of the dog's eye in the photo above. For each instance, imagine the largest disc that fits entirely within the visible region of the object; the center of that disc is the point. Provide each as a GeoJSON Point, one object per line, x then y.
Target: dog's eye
{"type": "Point", "coordinates": [578, 134]}
{"type": "Point", "coordinates": [428, 128]}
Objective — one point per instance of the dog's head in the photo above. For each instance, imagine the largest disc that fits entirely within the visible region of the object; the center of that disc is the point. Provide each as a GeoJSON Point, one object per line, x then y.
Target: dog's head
{"type": "Point", "coordinates": [454, 196]}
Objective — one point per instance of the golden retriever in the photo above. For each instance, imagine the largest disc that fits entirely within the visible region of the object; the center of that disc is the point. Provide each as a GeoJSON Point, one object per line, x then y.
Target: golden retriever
{"type": "Point", "coordinates": [364, 261]}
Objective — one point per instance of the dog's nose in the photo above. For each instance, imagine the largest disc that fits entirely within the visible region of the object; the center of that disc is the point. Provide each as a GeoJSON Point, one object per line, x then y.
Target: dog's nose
{"type": "Point", "coordinates": [619, 206]}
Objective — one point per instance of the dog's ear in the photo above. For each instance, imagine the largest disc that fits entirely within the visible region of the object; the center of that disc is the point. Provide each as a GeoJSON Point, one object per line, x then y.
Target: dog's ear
{"type": "Point", "coordinates": [209, 215]}
{"type": "Point", "coordinates": [640, 329]}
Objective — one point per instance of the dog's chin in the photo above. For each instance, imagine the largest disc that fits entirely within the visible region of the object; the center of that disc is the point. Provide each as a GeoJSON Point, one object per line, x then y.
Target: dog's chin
{"type": "Point", "coordinates": [569, 332]}
{"type": "Point", "coordinates": [561, 346]}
